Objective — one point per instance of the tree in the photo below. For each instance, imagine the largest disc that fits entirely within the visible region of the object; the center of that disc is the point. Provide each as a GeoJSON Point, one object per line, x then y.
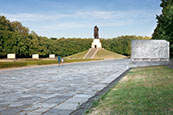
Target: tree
{"type": "Point", "coordinates": [164, 29]}
{"type": "Point", "coordinates": [17, 27]}
{"type": "Point", "coordinates": [5, 34]}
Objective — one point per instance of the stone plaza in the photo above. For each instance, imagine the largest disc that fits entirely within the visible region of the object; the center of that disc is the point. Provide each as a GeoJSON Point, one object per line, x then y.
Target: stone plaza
{"type": "Point", "coordinates": [53, 89]}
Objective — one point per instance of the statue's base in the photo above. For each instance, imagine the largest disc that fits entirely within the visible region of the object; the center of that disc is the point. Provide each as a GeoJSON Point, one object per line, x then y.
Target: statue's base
{"type": "Point", "coordinates": [96, 44]}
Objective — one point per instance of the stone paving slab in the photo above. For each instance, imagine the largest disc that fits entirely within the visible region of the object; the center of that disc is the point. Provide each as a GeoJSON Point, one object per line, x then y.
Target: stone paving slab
{"type": "Point", "coordinates": [55, 111]}
{"type": "Point", "coordinates": [67, 106]}
{"type": "Point", "coordinates": [76, 100]}
{"type": "Point", "coordinates": [54, 90]}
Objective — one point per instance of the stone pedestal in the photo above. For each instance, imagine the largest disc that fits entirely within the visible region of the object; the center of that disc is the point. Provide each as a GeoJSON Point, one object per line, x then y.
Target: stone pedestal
{"type": "Point", "coordinates": [96, 44]}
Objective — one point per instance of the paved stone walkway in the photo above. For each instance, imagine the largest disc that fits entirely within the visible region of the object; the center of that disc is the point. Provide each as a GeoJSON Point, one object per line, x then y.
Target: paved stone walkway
{"type": "Point", "coordinates": [54, 90]}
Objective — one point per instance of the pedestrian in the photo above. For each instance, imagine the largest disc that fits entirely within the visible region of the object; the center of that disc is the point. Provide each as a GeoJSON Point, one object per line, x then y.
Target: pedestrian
{"type": "Point", "coordinates": [59, 60]}
{"type": "Point", "coordinates": [62, 61]}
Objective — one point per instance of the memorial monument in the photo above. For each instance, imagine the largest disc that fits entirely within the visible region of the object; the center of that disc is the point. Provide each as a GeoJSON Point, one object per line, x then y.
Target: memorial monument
{"type": "Point", "coordinates": [96, 42]}
{"type": "Point", "coordinates": [96, 32]}
{"type": "Point", "coordinates": [95, 46]}
{"type": "Point", "coordinates": [149, 53]}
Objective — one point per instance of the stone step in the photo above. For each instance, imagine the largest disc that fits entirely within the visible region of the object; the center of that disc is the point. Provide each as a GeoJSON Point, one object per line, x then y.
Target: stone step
{"type": "Point", "coordinates": [91, 53]}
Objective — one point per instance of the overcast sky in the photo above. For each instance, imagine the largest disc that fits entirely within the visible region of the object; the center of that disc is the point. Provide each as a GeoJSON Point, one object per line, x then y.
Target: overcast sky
{"type": "Point", "coordinates": [76, 18]}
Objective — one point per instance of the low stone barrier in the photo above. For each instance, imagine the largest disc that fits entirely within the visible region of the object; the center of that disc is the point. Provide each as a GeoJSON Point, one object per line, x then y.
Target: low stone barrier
{"type": "Point", "coordinates": [35, 56]}
{"type": "Point", "coordinates": [52, 56]}
{"type": "Point", "coordinates": [11, 56]}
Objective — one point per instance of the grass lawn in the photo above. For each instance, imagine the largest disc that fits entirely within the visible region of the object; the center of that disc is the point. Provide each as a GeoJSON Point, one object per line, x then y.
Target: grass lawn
{"type": "Point", "coordinates": [39, 62]}
{"type": "Point", "coordinates": [143, 91]}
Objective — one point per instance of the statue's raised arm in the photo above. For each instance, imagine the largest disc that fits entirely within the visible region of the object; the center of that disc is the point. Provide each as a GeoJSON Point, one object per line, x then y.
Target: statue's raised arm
{"type": "Point", "coordinates": [96, 32]}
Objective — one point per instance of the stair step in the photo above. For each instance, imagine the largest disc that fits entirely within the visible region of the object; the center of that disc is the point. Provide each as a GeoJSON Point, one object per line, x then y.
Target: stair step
{"type": "Point", "coordinates": [91, 53]}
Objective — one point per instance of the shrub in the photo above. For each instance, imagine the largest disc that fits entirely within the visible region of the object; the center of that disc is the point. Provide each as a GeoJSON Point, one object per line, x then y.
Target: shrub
{"type": "Point", "coordinates": [12, 64]}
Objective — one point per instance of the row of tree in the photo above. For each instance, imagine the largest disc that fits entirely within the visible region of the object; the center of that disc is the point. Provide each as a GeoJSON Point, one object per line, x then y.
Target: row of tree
{"type": "Point", "coordinates": [15, 38]}
{"type": "Point", "coordinates": [121, 44]}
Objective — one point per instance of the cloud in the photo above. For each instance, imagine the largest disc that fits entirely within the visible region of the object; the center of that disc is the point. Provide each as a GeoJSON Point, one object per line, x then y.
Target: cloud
{"type": "Point", "coordinates": [68, 25]}
{"type": "Point", "coordinates": [32, 16]}
{"type": "Point", "coordinates": [82, 15]}
{"type": "Point", "coordinates": [94, 14]}
{"type": "Point", "coordinates": [115, 14]}
{"type": "Point", "coordinates": [84, 19]}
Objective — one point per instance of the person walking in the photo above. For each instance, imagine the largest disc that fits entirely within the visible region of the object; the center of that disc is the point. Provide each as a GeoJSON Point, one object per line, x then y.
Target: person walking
{"type": "Point", "coordinates": [62, 61]}
{"type": "Point", "coordinates": [59, 60]}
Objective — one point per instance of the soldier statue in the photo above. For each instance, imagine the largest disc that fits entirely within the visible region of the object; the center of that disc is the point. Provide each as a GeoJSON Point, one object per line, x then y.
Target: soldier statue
{"type": "Point", "coordinates": [96, 32]}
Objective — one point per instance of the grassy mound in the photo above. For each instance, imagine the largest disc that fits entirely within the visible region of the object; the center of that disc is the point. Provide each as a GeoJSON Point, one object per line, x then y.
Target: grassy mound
{"type": "Point", "coordinates": [103, 53]}
{"type": "Point", "coordinates": [78, 55]}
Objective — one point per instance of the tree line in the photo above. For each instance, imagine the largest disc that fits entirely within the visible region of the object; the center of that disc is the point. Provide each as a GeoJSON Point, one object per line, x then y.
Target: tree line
{"type": "Point", "coordinates": [15, 38]}
{"type": "Point", "coordinates": [164, 29]}
{"type": "Point", "coordinates": [121, 44]}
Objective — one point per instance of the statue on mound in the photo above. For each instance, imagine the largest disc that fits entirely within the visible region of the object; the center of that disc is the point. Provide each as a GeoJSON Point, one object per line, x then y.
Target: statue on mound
{"type": "Point", "coordinates": [96, 32]}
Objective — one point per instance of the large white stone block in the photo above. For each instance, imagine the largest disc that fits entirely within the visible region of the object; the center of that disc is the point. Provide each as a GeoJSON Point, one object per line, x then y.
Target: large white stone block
{"type": "Point", "coordinates": [52, 56]}
{"type": "Point", "coordinates": [149, 53]}
{"type": "Point", "coordinates": [96, 44]}
{"type": "Point", "coordinates": [35, 56]}
{"type": "Point", "coordinates": [11, 56]}
{"type": "Point", "coordinates": [150, 50]}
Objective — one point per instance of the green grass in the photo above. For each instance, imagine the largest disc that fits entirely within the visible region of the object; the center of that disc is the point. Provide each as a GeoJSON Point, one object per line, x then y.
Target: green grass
{"type": "Point", "coordinates": [39, 62]}
{"type": "Point", "coordinates": [78, 55]}
{"type": "Point", "coordinates": [79, 60]}
{"type": "Point", "coordinates": [143, 91]}
{"type": "Point", "coordinates": [42, 62]}
{"type": "Point", "coordinates": [26, 63]}
{"type": "Point", "coordinates": [103, 53]}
